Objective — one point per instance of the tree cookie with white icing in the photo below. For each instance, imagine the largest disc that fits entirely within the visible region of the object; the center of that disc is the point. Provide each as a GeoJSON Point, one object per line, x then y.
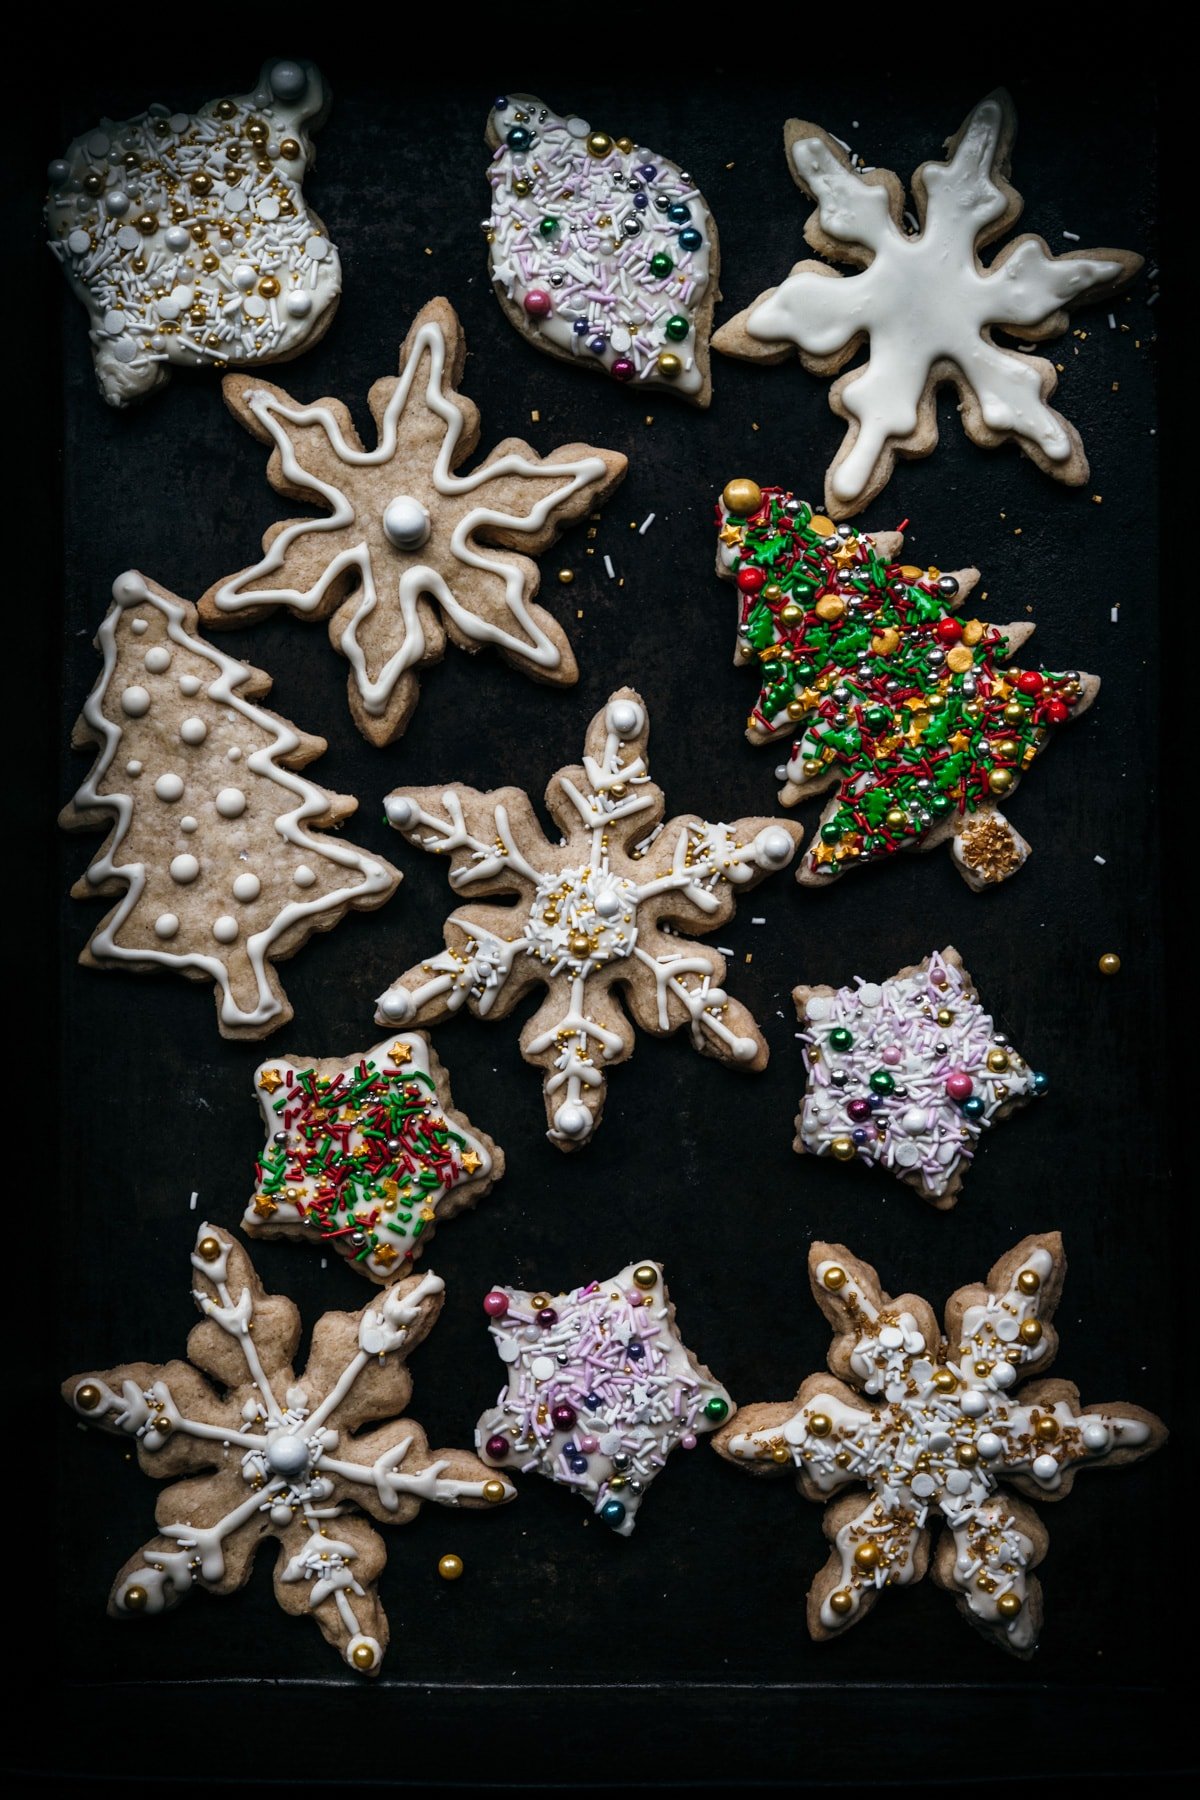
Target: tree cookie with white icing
{"type": "Point", "coordinates": [602, 253]}
{"type": "Point", "coordinates": [926, 305]}
{"type": "Point", "coordinates": [936, 1424]}
{"type": "Point", "coordinates": [407, 552]}
{"type": "Point", "coordinates": [219, 849]}
{"type": "Point", "coordinates": [366, 1154]}
{"type": "Point", "coordinates": [187, 237]}
{"type": "Point", "coordinates": [609, 911]}
{"type": "Point", "coordinates": [304, 1462]}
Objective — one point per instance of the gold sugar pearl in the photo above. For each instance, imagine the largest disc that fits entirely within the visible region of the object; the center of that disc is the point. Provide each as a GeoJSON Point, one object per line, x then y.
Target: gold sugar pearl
{"type": "Point", "coordinates": [494, 1490]}
{"type": "Point", "coordinates": [199, 232]}
{"type": "Point", "coordinates": [134, 1599]}
{"type": "Point", "coordinates": [645, 1275]}
{"type": "Point", "coordinates": [967, 1456]}
{"type": "Point", "coordinates": [289, 149]}
{"type": "Point", "coordinates": [362, 1656]}
{"type": "Point", "coordinates": [197, 315]}
{"type": "Point", "coordinates": [625, 146]}
{"type": "Point", "coordinates": [945, 1381]}
{"type": "Point", "coordinates": [210, 262]}
{"type": "Point", "coordinates": [88, 1397]}
{"type": "Point", "coordinates": [830, 607]}
{"type": "Point", "coordinates": [146, 223]}
{"type": "Point", "coordinates": [522, 187]}
{"type": "Point", "coordinates": [820, 1425]}
{"type": "Point", "coordinates": [1029, 1281]}
{"type": "Point", "coordinates": [225, 109]}
{"type": "Point", "coordinates": [741, 497]}
{"type": "Point", "coordinates": [208, 1249]}
{"type": "Point", "coordinates": [1008, 1605]}
{"type": "Point", "coordinates": [566, 576]}
{"type": "Point", "coordinates": [539, 1301]}
{"type": "Point", "coordinates": [1109, 964]}
{"type": "Point", "coordinates": [201, 182]}
{"type": "Point", "coordinates": [868, 1555]}
{"type": "Point", "coordinates": [997, 1061]}
{"type": "Point", "coordinates": [1031, 1331]}
{"type": "Point", "coordinates": [598, 144]}
{"type": "Point", "coordinates": [834, 1278]}
{"type": "Point", "coordinates": [268, 286]}
{"type": "Point", "coordinates": [1047, 1428]}
{"type": "Point", "coordinates": [781, 1454]}
{"type": "Point", "coordinates": [841, 1601]}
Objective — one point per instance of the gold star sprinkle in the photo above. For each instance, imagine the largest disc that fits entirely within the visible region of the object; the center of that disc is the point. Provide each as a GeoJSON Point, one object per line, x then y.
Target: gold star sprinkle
{"type": "Point", "coordinates": [264, 1206]}
{"type": "Point", "coordinates": [400, 1052]}
{"type": "Point", "coordinates": [472, 1162]}
{"type": "Point", "coordinates": [269, 1080]}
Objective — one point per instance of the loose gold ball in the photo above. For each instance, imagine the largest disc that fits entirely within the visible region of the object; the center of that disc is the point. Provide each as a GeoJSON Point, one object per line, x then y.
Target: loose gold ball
{"type": "Point", "coordinates": [450, 1567]}
{"type": "Point", "coordinates": [967, 1455]}
{"type": "Point", "coordinates": [842, 1148]}
{"type": "Point", "coordinates": [289, 149]}
{"type": "Point", "coordinates": [201, 182]}
{"type": "Point", "coordinates": [208, 1249]}
{"type": "Point", "coordinates": [134, 1599]}
{"type": "Point", "coordinates": [362, 1656]}
{"type": "Point", "coordinates": [1031, 1331]}
{"type": "Point", "coordinates": [566, 576]}
{"type": "Point", "coordinates": [210, 261]}
{"type": "Point", "coordinates": [1001, 780]}
{"type": "Point", "coordinates": [1047, 1428]}
{"type": "Point", "coordinates": [493, 1491]}
{"type": "Point", "coordinates": [598, 143]}
{"type": "Point", "coordinates": [820, 1424]}
{"type": "Point", "coordinates": [741, 497]}
{"type": "Point", "coordinates": [868, 1555]}
{"type": "Point", "coordinates": [1029, 1281]}
{"type": "Point", "coordinates": [645, 1275]}
{"type": "Point", "coordinates": [945, 1381]}
{"type": "Point", "coordinates": [1109, 963]}
{"type": "Point", "coordinates": [997, 1061]}
{"type": "Point", "coordinates": [1008, 1605]}
{"type": "Point", "coordinates": [88, 1397]}
{"type": "Point", "coordinates": [146, 223]}
{"type": "Point", "coordinates": [670, 366]}
{"type": "Point", "coordinates": [841, 1601]}
{"type": "Point", "coordinates": [834, 1278]}
{"type": "Point", "coordinates": [268, 286]}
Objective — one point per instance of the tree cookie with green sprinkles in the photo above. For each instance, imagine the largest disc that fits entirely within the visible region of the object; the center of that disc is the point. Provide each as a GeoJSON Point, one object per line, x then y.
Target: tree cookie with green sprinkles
{"type": "Point", "coordinates": [920, 722]}
{"type": "Point", "coordinates": [366, 1153]}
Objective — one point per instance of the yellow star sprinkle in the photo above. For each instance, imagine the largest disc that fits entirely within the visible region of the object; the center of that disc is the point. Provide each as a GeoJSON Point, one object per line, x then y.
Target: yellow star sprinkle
{"type": "Point", "coordinates": [264, 1206]}
{"type": "Point", "coordinates": [385, 1254]}
{"type": "Point", "coordinates": [400, 1052]}
{"type": "Point", "coordinates": [270, 1079]}
{"type": "Point", "coordinates": [471, 1162]}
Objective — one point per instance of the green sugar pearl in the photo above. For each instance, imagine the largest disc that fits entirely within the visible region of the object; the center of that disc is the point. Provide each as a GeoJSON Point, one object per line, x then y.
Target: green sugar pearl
{"type": "Point", "coordinates": [548, 226]}
{"type": "Point", "coordinates": [883, 1083]}
{"type": "Point", "coordinates": [677, 328]}
{"type": "Point", "coordinates": [661, 264]}
{"type": "Point", "coordinates": [716, 1408]}
{"type": "Point", "coordinates": [840, 1038]}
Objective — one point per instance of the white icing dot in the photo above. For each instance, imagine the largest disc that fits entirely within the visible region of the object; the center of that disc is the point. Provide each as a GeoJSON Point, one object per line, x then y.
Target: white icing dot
{"type": "Point", "coordinates": [957, 1481]}
{"type": "Point", "coordinates": [187, 823]}
{"type": "Point", "coordinates": [179, 122]}
{"type": "Point", "coordinates": [135, 701]}
{"type": "Point", "coordinates": [233, 754]}
{"type": "Point", "coordinates": [870, 993]}
{"type": "Point", "coordinates": [124, 349]}
{"type": "Point", "coordinates": [302, 875]}
{"type": "Point", "coordinates": [913, 1118]}
{"type": "Point", "coordinates": [907, 1155]}
{"type": "Point", "coordinates": [254, 306]}
{"type": "Point", "coordinates": [236, 200]}
{"type": "Point", "coordinates": [577, 127]}
{"type": "Point", "coordinates": [184, 869]}
{"type": "Point", "coordinates": [267, 207]}
{"type": "Point", "coordinates": [298, 304]}
{"type": "Point", "coordinates": [573, 1121]}
{"type": "Point", "coordinates": [1006, 1328]}
{"type": "Point", "coordinates": [193, 731]}
{"type": "Point", "coordinates": [773, 846]}
{"type": "Point", "coordinates": [620, 338]}
{"type": "Point", "coordinates": [114, 321]}
{"type": "Point", "coordinates": [891, 1337]}
{"type": "Point", "coordinates": [231, 803]}
{"type": "Point", "coordinates": [169, 786]}
{"type": "Point", "coordinates": [923, 1485]}
{"type": "Point", "coordinates": [225, 929]}
{"type": "Point", "coordinates": [818, 1006]}
{"type": "Point", "coordinates": [166, 925]}
{"type": "Point", "coordinates": [397, 1005]}
{"type": "Point", "coordinates": [79, 242]}
{"type": "Point", "coordinates": [405, 522]}
{"type": "Point", "coordinates": [98, 143]}
{"type": "Point", "coordinates": [1045, 1467]}
{"type": "Point", "coordinates": [401, 811]}
{"type": "Point", "coordinates": [317, 248]}
{"type": "Point", "coordinates": [542, 1368]}
{"type": "Point", "coordinates": [133, 766]}
{"type": "Point", "coordinates": [127, 238]}
{"type": "Point", "coordinates": [157, 659]}
{"type": "Point", "coordinates": [625, 718]}
{"type": "Point", "coordinates": [247, 887]}
{"type": "Point", "coordinates": [189, 685]}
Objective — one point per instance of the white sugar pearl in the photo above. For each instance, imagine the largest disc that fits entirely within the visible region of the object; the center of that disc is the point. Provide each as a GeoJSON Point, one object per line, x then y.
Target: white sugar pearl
{"type": "Point", "coordinates": [133, 766]}
{"type": "Point", "coordinates": [166, 925]}
{"type": "Point", "coordinates": [184, 869]}
{"type": "Point", "coordinates": [573, 1121]}
{"type": "Point", "coordinates": [401, 811]}
{"type": "Point", "coordinates": [303, 876]}
{"type": "Point", "coordinates": [176, 238]}
{"type": "Point", "coordinates": [406, 523]}
{"type": "Point", "coordinates": [397, 1005]}
{"type": "Point", "coordinates": [1095, 1437]}
{"type": "Point", "coordinates": [225, 929]}
{"type": "Point", "coordinates": [247, 888]}
{"type": "Point", "coordinates": [870, 993]}
{"type": "Point", "coordinates": [157, 659]}
{"type": "Point", "coordinates": [818, 1006]}
{"type": "Point", "coordinates": [625, 718]}
{"type": "Point", "coordinates": [1004, 1374]}
{"type": "Point", "coordinates": [117, 202]}
{"type": "Point", "coordinates": [288, 80]}
{"type": "Point", "coordinates": [193, 731]}
{"type": "Point", "coordinates": [913, 1118]}
{"type": "Point", "coordinates": [1045, 1468]}
{"type": "Point", "coordinates": [297, 304]}
{"type": "Point", "coordinates": [231, 803]}
{"type": "Point", "coordinates": [135, 701]}
{"type": "Point", "coordinates": [169, 786]}
{"type": "Point", "coordinates": [989, 1446]}
{"type": "Point", "coordinates": [973, 1403]}
{"type": "Point", "coordinates": [608, 904]}
{"type": "Point", "coordinates": [244, 278]}
{"type": "Point", "coordinates": [773, 846]}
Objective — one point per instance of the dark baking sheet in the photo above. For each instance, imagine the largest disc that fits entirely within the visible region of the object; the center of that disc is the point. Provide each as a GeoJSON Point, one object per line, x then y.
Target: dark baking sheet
{"type": "Point", "coordinates": [565, 1653]}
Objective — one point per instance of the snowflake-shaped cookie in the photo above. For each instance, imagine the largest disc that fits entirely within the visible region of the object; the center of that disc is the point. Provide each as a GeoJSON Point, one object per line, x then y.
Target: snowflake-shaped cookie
{"type": "Point", "coordinates": [906, 1074]}
{"type": "Point", "coordinates": [403, 558]}
{"type": "Point", "coordinates": [187, 238]}
{"type": "Point", "coordinates": [366, 1153]}
{"type": "Point", "coordinates": [931, 1424]}
{"type": "Point", "coordinates": [601, 1389]}
{"type": "Point", "coordinates": [927, 305]}
{"type": "Point", "coordinates": [268, 1456]}
{"type": "Point", "coordinates": [601, 911]}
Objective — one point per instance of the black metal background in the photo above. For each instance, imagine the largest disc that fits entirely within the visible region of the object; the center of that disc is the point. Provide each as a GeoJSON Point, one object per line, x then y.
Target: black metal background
{"type": "Point", "coordinates": [566, 1653]}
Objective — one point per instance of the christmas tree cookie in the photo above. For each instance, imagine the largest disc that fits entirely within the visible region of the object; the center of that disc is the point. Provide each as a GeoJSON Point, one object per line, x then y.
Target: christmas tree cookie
{"type": "Point", "coordinates": [187, 238]}
{"type": "Point", "coordinates": [267, 1456]}
{"type": "Point", "coordinates": [601, 252]}
{"type": "Point", "coordinates": [610, 909]}
{"type": "Point", "coordinates": [926, 304]}
{"type": "Point", "coordinates": [906, 1074]}
{"type": "Point", "coordinates": [920, 722]}
{"type": "Point", "coordinates": [407, 552]}
{"type": "Point", "coordinates": [366, 1154]}
{"type": "Point", "coordinates": [601, 1389]}
{"type": "Point", "coordinates": [216, 844]}
{"type": "Point", "coordinates": [934, 1423]}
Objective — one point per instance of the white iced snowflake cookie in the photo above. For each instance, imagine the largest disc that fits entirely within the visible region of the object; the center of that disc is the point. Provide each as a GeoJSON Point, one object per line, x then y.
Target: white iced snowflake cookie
{"type": "Point", "coordinates": [906, 1074]}
{"type": "Point", "coordinates": [188, 239]}
{"type": "Point", "coordinates": [602, 253]}
{"type": "Point", "coordinates": [936, 1424]}
{"type": "Point", "coordinates": [215, 843]}
{"type": "Point", "coordinates": [600, 1389]}
{"type": "Point", "coordinates": [270, 1457]}
{"type": "Point", "coordinates": [926, 304]}
{"type": "Point", "coordinates": [610, 910]}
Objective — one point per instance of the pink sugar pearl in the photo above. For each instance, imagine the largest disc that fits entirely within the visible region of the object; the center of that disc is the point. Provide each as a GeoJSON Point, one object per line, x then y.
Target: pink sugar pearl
{"type": "Point", "coordinates": [538, 303]}
{"type": "Point", "coordinates": [959, 1085]}
{"type": "Point", "coordinates": [495, 1304]}
{"type": "Point", "coordinates": [892, 1054]}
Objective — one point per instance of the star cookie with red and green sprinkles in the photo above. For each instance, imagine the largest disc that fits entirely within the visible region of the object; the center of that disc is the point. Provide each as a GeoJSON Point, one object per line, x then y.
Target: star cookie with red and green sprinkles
{"type": "Point", "coordinates": [366, 1154]}
{"type": "Point", "coordinates": [920, 722]}
{"type": "Point", "coordinates": [600, 1390]}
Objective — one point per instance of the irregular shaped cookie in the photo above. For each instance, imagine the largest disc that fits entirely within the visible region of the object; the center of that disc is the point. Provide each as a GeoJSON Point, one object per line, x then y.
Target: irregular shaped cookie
{"type": "Point", "coordinates": [601, 252]}
{"type": "Point", "coordinates": [188, 239]}
{"type": "Point", "coordinates": [214, 840]}
{"type": "Point", "coordinates": [604, 911]}
{"type": "Point", "coordinates": [935, 1424]}
{"type": "Point", "coordinates": [601, 1389]}
{"type": "Point", "coordinates": [926, 304]}
{"type": "Point", "coordinates": [906, 1074]}
{"type": "Point", "coordinates": [272, 1457]}
{"type": "Point", "coordinates": [399, 558]}
{"type": "Point", "coordinates": [366, 1153]}
{"type": "Point", "coordinates": [920, 723]}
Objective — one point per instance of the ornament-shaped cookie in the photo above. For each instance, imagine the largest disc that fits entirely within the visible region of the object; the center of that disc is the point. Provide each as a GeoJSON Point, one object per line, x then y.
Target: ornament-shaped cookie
{"type": "Point", "coordinates": [601, 252]}
{"type": "Point", "coordinates": [187, 237]}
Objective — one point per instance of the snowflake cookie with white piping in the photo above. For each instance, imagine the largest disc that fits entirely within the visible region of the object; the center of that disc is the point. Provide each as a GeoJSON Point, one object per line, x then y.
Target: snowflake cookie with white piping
{"type": "Point", "coordinates": [268, 1455]}
{"type": "Point", "coordinates": [602, 253]}
{"type": "Point", "coordinates": [936, 1424]}
{"type": "Point", "coordinates": [612, 908]}
{"type": "Point", "coordinates": [906, 1074]}
{"type": "Point", "coordinates": [215, 839]}
{"type": "Point", "coordinates": [927, 305]}
{"type": "Point", "coordinates": [407, 552]}
{"type": "Point", "coordinates": [188, 239]}
{"type": "Point", "coordinates": [601, 1389]}
{"type": "Point", "coordinates": [366, 1154]}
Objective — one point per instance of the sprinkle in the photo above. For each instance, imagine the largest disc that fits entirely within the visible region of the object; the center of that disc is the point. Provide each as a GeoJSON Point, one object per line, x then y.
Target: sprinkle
{"type": "Point", "coordinates": [608, 567]}
{"type": "Point", "coordinates": [1100, 860]}
{"type": "Point", "coordinates": [646, 523]}
{"type": "Point", "coordinates": [1073, 235]}
{"type": "Point", "coordinates": [192, 1201]}
{"type": "Point", "coordinates": [758, 921]}
{"type": "Point", "coordinates": [1115, 614]}
{"type": "Point", "coordinates": [536, 416]}
{"type": "Point", "coordinates": [1112, 322]}
{"type": "Point", "coordinates": [725, 950]}
{"type": "Point", "coordinates": [1150, 301]}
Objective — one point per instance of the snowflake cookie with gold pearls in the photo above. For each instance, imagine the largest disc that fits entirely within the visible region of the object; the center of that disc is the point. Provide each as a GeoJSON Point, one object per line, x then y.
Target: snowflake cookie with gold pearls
{"type": "Point", "coordinates": [601, 1389]}
{"type": "Point", "coordinates": [366, 1154]}
{"type": "Point", "coordinates": [936, 1424]}
{"type": "Point", "coordinates": [408, 552]}
{"type": "Point", "coordinates": [602, 253]}
{"type": "Point", "coordinates": [612, 908]}
{"type": "Point", "coordinates": [906, 1074]}
{"type": "Point", "coordinates": [926, 304]}
{"type": "Point", "coordinates": [269, 1456]}
{"type": "Point", "coordinates": [188, 239]}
